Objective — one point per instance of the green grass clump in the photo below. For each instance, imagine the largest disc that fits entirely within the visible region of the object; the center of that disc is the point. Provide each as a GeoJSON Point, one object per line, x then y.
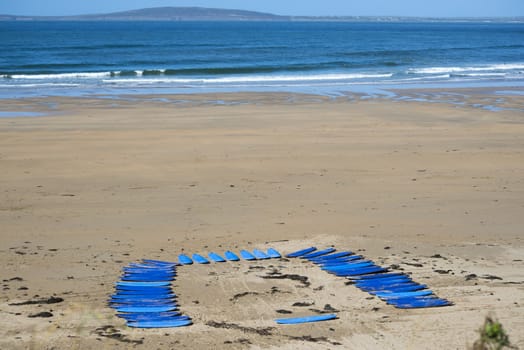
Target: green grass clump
{"type": "Point", "coordinates": [492, 336]}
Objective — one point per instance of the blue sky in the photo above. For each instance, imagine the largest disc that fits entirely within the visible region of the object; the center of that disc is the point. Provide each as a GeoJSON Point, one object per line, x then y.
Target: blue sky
{"type": "Point", "coordinates": [430, 8]}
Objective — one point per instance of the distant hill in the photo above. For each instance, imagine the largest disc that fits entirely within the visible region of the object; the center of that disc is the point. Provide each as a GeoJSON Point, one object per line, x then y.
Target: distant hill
{"type": "Point", "coordinates": [214, 14]}
{"type": "Point", "coordinates": [162, 14]}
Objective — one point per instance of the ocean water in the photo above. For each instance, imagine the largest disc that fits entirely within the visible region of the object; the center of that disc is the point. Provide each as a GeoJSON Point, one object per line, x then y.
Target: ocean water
{"type": "Point", "coordinates": [79, 58]}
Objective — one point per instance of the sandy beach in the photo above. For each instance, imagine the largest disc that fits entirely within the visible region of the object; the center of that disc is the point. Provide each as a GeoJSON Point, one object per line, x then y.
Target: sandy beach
{"type": "Point", "coordinates": [435, 190]}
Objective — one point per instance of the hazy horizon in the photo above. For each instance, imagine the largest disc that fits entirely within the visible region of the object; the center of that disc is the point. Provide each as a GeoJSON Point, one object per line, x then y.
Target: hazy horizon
{"type": "Point", "coordinates": [400, 8]}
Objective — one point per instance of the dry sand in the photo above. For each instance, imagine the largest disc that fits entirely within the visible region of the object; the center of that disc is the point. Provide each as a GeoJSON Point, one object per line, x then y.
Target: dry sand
{"type": "Point", "coordinates": [433, 189]}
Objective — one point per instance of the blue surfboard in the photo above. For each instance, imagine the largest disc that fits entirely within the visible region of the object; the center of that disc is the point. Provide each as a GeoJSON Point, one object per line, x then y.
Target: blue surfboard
{"type": "Point", "coordinates": [146, 272]}
{"type": "Point", "coordinates": [142, 265]}
{"type": "Point", "coordinates": [414, 303]}
{"type": "Point", "coordinates": [135, 278]}
{"type": "Point", "coordinates": [301, 252]}
{"type": "Point", "coordinates": [136, 315]}
{"type": "Point", "coordinates": [378, 275]}
{"type": "Point", "coordinates": [389, 286]}
{"type": "Point", "coordinates": [200, 259]}
{"type": "Point", "coordinates": [260, 254]}
{"type": "Point", "coordinates": [347, 266]}
{"type": "Point", "coordinates": [162, 308]}
{"type": "Point", "coordinates": [398, 295]}
{"type": "Point", "coordinates": [356, 271]}
{"type": "Point", "coordinates": [384, 281]}
{"type": "Point", "coordinates": [326, 258]}
{"type": "Point", "coordinates": [306, 319]}
{"type": "Point", "coordinates": [156, 318]}
{"type": "Point", "coordinates": [141, 274]}
{"type": "Point", "coordinates": [388, 283]}
{"type": "Point", "coordinates": [140, 300]}
{"type": "Point", "coordinates": [137, 289]}
{"type": "Point", "coordinates": [143, 290]}
{"type": "Point", "coordinates": [160, 324]}
{"type": "Point", "coordinates": [231, 256]}
{"type": "Point", "coordinates": [319, 253]}
{"type": "Point", "coordinates": [184, 259]}
{"type": "Point", "coordinates": [346, 259]}
{"type": "Point", "coordinates": [384, 287]}
{"type": "Point", "coordinates": [143, 297]}
{"type": "Point", "coordinates": [343, 261]}
{"type": "Point", "coordinates": [247, 255]}
{"type": "Point", "coordinates": [362, 271]}
{"type": "Point", "coordinates": [215, 257]}
{"type": "Point", "coordinates": [273, 254]}
{"type": "Point", "coordinates": [142, 284]}
{"type": "Point", "coordinates": [149, 303]}
{"type": "Point", "coordinates": [158, 262]}
{"type": "Point", "coordinates": [141, 270]}
{"type": "Point", "coordinates": [400, 288]}
{"type": "Point", "coordinates": [346, 271]}
{"type": "Point", "coordinates": [381, 278]}
{"type": "Point", "coordinates": [149, 314]}
{"type": "Point", "coordinates": [155, 291]}
{"type": "Point", "coordinates": [149, 268]}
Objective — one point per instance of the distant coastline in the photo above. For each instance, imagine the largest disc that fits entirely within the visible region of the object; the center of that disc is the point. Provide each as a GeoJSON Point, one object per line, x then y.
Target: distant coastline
{"type": "Point", "coordinates": [213, 14]}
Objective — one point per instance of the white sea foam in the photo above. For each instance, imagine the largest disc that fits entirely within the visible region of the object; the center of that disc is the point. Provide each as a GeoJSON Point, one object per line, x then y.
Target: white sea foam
{"type": "Point", "coordinates": [480, 74]}
{"type": "Point", "coordinates": [38, 85]}
{"type": "Point", "coordinates": [89, 75]}
{"type": "Point", "coordinates": [249, 79]}
{"type": "Point", "coordinates": [440, 70]}
{"type": "Point", "coordinates": [431, 77]}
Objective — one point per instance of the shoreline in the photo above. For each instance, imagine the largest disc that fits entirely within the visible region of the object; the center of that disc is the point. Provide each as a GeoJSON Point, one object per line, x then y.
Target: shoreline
{"type": "Point", "coordinates": [491, 98]}
{"type": "Point", "coordinates": [386, 89]}
{"type": "Point", "coordinates": [430, 189]}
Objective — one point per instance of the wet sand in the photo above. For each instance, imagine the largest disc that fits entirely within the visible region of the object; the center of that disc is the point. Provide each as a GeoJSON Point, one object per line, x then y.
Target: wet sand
{"type": "Point", "coordinates": [435, 190]}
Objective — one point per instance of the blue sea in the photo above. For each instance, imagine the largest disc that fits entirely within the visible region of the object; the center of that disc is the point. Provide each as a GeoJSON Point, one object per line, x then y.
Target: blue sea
{"type": "Point", "coordinates": [82, 58]}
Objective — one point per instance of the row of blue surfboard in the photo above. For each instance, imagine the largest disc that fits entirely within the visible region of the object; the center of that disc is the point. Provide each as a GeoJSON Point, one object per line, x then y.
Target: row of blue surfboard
{"type": "Point", "coordinates": [397, 289]}
{"type": "Point", "coordinates": [144, 298]}
{"type": "Point", "coordinates": [257, 254]}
